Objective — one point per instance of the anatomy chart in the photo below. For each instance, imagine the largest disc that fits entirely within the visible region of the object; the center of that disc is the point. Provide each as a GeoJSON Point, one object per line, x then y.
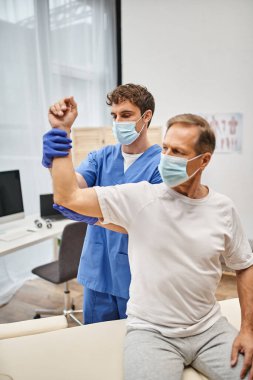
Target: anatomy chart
{"type": "Point", "coordinates": [228, 131]}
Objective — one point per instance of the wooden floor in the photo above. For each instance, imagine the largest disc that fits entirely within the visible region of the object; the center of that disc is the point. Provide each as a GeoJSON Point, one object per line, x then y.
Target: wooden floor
{"type": "Point", "coordinates": [36, 294]}
{"type": "Point", "coordinates": [41, 294]}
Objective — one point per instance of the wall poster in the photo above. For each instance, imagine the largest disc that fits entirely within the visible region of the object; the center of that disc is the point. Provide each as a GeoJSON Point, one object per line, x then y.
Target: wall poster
{"type": "Point", "coordinates": [228, 131]}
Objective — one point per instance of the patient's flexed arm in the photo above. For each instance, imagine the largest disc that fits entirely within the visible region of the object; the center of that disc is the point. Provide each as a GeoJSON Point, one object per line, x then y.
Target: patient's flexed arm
{"type": "Point", "coordinates": [66, 190]}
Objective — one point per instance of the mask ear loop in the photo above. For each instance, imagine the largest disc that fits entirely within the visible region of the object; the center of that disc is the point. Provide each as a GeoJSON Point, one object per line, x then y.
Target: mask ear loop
{"type": "Point", "coordinates": [196, 171]}
{"type": "Point", "coordinates": [193, 174]}
{"type": "Point", "coordinates": [143, 123]}
{"type": "Point", "coordinates": [193, 158]}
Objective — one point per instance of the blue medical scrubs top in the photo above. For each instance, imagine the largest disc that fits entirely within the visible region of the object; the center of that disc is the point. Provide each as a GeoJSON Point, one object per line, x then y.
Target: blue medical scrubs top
{"type": "Point", "coordinates": [104, 265]}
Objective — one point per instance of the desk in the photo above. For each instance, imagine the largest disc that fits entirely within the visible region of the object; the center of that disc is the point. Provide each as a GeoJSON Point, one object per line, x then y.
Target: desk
{"type": "Point", "coordinates": [40, 235]}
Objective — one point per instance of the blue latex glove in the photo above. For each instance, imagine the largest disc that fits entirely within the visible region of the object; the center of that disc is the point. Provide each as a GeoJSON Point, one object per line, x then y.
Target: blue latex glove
{"type": "Point", "coordinates": [55, 144]}
{"type": "Point", "coordinates": [74, 215]}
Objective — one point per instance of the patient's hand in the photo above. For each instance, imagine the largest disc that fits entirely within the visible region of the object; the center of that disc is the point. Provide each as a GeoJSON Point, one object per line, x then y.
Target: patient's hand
{"type": "Point", "coordinates": [63, 114]}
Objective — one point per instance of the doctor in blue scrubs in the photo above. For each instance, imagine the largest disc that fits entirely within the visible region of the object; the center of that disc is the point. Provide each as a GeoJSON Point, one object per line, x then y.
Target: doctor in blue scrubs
{"type": "Point", "coordinates": [104, 269]}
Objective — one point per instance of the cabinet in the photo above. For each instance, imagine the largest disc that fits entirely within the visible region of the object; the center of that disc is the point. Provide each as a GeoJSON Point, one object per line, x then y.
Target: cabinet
{"type": "Point", "coordinates": [86, 139]}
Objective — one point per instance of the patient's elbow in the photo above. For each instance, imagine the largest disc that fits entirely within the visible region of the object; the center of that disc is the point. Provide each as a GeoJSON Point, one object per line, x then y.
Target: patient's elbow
{"type": "Point", "coordinates": [60, 200]}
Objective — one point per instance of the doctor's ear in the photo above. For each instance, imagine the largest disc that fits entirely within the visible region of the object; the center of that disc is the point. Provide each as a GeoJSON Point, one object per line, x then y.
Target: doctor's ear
{"type": "Point", "coordinates": [147, 116]}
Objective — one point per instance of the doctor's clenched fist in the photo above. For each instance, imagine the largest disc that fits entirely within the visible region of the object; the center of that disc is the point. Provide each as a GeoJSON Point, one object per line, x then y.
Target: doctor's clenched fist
{"type": "Point", "coordinates": [63, 114]}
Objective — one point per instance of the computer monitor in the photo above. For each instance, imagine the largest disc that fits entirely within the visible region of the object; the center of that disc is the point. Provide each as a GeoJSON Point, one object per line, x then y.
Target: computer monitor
{"type": "Point", "coordinates": [11, 201]}
{"type": "Point", "coordinates": [46, 208]}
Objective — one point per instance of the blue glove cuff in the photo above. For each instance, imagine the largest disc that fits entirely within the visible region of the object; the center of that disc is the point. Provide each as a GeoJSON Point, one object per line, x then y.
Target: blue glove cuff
{"type": "Point", "coordinates": [47, 163]}
{"type": "Point", "coordinates": [74, 215]}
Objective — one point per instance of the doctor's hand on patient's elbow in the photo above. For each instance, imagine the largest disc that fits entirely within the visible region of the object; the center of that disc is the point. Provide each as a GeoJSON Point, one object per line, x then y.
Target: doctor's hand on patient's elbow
{"type": "Point", "coordinates": [63, 113]}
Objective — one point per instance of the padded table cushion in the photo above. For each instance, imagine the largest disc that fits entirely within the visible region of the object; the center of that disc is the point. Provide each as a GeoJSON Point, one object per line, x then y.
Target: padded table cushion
{"type": "Point", "coordinates": [92, 352]}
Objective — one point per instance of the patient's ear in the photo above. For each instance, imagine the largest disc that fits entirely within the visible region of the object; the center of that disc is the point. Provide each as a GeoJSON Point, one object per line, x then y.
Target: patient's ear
{"type": "Point", "coordinates": [205, 160]}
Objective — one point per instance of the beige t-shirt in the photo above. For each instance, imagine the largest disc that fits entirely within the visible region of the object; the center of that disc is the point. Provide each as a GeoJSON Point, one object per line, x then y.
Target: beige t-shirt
{"type": "Point", "coordinates": [174, 252]}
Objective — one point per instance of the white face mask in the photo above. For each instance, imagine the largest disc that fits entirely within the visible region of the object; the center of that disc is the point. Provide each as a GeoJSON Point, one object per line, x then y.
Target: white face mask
{"type": "Point", "coordinates": [125, 131]}
{"type": "Point", "coordinates": [173, 169]}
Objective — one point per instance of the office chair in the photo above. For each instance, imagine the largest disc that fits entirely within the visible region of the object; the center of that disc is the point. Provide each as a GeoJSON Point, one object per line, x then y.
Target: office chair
{"type": "Point", "coordinates": [65, 268]}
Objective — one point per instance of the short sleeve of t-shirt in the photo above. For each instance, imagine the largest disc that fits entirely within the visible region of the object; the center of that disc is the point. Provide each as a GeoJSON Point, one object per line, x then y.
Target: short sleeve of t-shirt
{"type": "Point", "coordinates": [238, 253]}
{"type": "Point", "coordinates": [88, 169]}
{"type": "Point", "coordinates": [120, 204]}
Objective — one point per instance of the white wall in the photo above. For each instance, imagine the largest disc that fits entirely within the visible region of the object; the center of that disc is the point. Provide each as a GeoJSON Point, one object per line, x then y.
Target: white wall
{"type": "Point", "coordinates": [197, 56]}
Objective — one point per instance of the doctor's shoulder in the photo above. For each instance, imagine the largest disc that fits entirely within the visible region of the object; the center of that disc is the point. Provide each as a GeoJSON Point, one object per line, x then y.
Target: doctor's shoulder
{"type": "Point", "coordinates": [109, 151]}
{"type": "Point", "coordinates": [104, 153]}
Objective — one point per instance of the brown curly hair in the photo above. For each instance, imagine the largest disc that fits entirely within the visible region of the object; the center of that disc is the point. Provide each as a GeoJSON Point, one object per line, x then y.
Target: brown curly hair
{"type": "Point", "coordinates": [136, 94]}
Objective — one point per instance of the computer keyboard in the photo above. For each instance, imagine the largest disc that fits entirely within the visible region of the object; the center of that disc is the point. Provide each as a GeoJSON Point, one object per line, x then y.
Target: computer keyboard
{"type": "Point", "coordinates": [15, 234]}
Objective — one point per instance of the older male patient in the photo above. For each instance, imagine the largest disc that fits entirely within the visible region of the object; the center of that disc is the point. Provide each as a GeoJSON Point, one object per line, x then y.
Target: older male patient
{"type": "Point", "coordinates": [177, 232]}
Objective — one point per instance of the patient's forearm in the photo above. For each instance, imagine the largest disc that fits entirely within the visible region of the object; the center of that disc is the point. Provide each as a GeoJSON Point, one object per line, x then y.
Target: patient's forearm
{"type": "Point", "coordinates": [82, 184]}
{"type": "Point", "coordinates": [245, 293]}
{"type": "Point", "coordinates": [64, 179]}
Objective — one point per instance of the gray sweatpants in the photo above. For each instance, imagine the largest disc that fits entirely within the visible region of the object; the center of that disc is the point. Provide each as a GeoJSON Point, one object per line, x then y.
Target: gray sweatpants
{"type": "Point", "coordinates": [152, 356]}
